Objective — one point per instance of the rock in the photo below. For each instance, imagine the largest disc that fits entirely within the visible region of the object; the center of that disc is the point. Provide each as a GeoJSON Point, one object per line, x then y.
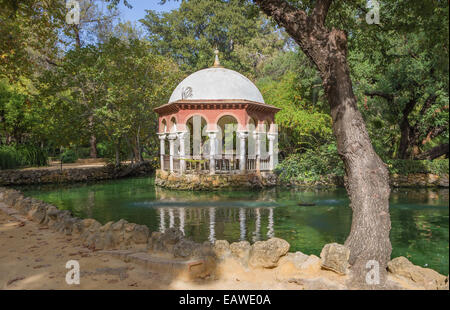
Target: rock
{"type": "Point", "coordinates": [241, 250]}
{"type": "Point", "coordinates": [335, 258]}
{"type": "Point", "coordinates": [119, 225]}
{"type": "Point", "coordinates": [266, 254]}
{"type": "Point", "coordinates": [140, 234]}
{"type": "Point", "coordinates": [185, 248]}
{"type": "Point", "coordinates": [37, 213]}
{"type": "Point", "coordinates": [297, 258]}
{"type": "Point", "coordinates": [428, 278]}
{"type": "Point", "coordinates": [165, 242]}
{"type": "Point", "coordinates": [222, 249]}
{"type": "Point", "coordinates": [311, 265]}
{"type": "Point", "coordinates": [106, 227]}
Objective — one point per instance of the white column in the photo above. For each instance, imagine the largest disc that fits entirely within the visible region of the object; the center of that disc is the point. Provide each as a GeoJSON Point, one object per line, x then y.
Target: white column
{"type": "Point", "coordinates": [171, 218]}
{"type": "Point", "coordinates": [241, 135]}
{"type": "Point", "coordinates": [182, 217]}
{"type": "Point", "coordinates": [182, 138]}
{"type": "Point", "coordinates": [171, 138]}
{"type": "Point", "coordinates": [162, 149]}
{"type": "Point", "coordinates": [162, 221]}
{"type": "Point", "coordinates": [257, 137]}
{"type": "Point", "coordinates": [256, 236]}
{"type": "Point", "coordinates": [242, 223]}
{"type": "Point", "coordinates": [270, 233]}
{"type": "Point", "coordinates": [212, 151]}
{"type": "Point", "coordinates": [212, 225]}
{"type": "Point", "coordinates": [272, 152]}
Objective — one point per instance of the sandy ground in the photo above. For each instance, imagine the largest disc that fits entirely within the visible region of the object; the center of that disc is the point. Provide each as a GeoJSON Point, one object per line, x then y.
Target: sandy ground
{"type": "Point", "coordinates": [35, 258]}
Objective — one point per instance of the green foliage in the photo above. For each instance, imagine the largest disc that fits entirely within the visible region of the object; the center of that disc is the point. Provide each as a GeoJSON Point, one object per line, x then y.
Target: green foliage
{"type": "Point", "coordinates": [12, 156]}
{"type": "Point", "coordinates": [405, 166]}
{"type": "Point", "coordinates": [69, 156]}
{"type": "Point", "coordinates": [9, 157]}
{"type": "Point", "coordinates": [190, 34]}
{"type": "Point", "coordinates": [311, 165]}
{"type": "Point", "coordinates": [300, 124]}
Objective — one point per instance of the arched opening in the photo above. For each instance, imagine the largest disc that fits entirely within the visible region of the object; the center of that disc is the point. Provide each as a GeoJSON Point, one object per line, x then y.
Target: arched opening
{"type": "Point", "coordinates": [227, 127]}
{"type": "Point", "coordinates": [197, 143]}
{"type": "Point", "coordinates": [163, 128]}
{"type": "Point", "coordinates": [264, 143]}
{"type": "Point", "coordinates": [227, 144]}
{"type": "Point", "coordinates": [173, 125]}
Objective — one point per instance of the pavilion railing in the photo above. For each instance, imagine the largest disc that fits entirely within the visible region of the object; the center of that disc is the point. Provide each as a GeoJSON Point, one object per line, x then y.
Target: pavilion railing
{"type": "Point", "coordinates": [176, 164]}
{"type": "Point", "coordinates": [264, 163]}
{"type": "Point", "coordinates": [166, 162]}
{"type": "Point", "coordinates": [224, 164]}
{"type": "Point", "coordinates": [228, 163]}
{"type": "Point", "coordinates": [250, 163]}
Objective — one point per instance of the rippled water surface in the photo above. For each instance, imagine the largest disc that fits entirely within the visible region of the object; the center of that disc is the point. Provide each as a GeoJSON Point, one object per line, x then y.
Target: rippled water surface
{"type": "Point", "coordinates": [419, 216]}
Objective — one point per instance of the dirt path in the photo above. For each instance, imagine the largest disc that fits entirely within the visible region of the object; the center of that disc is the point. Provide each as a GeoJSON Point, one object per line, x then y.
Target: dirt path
{"type": "Point", "coordinates": [35, 258]}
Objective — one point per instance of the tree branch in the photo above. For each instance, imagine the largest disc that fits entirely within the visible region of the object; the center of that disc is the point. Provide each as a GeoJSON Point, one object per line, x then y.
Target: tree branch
{"type": "Point", "coordinates": [435, 152]}
{"type": "Point", "coordinates": [321, 10]}
{"type": "Point", "coordinates": [376, 93]}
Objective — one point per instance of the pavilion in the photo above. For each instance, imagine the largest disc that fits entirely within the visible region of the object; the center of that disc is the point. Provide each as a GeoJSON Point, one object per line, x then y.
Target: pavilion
{"type": "Point", "coordinates": [216, 122]}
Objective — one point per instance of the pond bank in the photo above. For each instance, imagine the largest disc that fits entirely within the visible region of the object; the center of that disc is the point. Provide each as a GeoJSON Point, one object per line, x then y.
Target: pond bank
{"type": "Point", "coordinates": [265, 264]}
{"type": "Point", "coordinates": [425, 180]}
{"type": "Point", "coordinates": [70, 175]}
{"type": "Point", "coordinates": [98, 172]}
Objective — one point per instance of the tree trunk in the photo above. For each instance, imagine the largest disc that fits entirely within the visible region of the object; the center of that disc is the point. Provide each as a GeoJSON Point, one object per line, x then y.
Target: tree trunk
{"type": "Point", "coordinates": [117, 159]}
{"type": "Point", "coordinates": [93, 149]}
{"type": "Point", "coordinates": [367, 176]}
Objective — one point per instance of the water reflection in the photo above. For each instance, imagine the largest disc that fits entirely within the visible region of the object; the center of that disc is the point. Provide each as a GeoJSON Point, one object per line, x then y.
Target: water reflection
{"type": "Point", "coordinates": [194, 216]}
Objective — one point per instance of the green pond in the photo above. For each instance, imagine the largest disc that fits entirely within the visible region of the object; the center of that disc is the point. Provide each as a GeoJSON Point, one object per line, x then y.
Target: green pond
{"type": "Point", "coordinates": [419, 216]}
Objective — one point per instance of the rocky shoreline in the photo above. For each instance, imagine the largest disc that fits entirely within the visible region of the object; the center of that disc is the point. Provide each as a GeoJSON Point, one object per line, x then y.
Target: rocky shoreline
{"type": "Point", "coordinates": [172, 252]}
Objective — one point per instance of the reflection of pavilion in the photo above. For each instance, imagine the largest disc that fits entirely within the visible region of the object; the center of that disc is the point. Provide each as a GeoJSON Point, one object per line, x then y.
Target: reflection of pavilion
{"type": "Point", "coordinates": [174, 213]}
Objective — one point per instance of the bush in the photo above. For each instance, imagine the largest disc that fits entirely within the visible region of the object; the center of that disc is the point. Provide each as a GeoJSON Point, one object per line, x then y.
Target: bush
{"type": "Point", "coordinates": [409, 166]}
{"type": "Point", "coordinates": [69, 156]}
{"type": "Point", "coordinates": [12, 157]}
{"type": "Point", "coordinates": [9, 157]}
{"type": "Point", "coordinates": [311, 165]}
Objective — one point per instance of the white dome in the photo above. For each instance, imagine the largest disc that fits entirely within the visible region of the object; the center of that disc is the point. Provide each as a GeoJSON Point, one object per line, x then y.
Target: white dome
{"type": "Point", "coordinates": [216, 83]}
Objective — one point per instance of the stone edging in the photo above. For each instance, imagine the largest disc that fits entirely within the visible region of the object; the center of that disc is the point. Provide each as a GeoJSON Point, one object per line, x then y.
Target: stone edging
{"type": "Point", "coordinates": [69, 175]}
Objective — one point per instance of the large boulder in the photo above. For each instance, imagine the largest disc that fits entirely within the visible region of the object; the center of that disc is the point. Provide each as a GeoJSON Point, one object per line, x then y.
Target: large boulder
{"type": "Point", "coordinates": [266, 254]}
{"type": "Point", "coordinates": [335, 258]}
{"type": "Point", "coordinates": [164, 242]}
{"type": "Point", "coordinates": [425, 277]}
{"type": "Point", "coordinates": [185, 248]}
{"type": "Point", "coordinates": [241, 250]}
{"type": "Point", "coordinates": [140, 234]}
{"type": "Point", "coordinates": [37, 213]}
{"type": "Point", "coordinates": [222, 249]}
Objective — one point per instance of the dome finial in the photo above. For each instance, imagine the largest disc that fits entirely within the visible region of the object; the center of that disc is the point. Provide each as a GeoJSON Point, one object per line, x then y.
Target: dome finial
{"type": "Point", "coordinates": [216, 60]}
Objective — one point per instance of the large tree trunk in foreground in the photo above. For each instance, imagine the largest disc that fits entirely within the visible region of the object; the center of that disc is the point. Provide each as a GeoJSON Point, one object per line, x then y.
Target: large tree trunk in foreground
{"type": "Point", "coordinates": [367, 176]}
